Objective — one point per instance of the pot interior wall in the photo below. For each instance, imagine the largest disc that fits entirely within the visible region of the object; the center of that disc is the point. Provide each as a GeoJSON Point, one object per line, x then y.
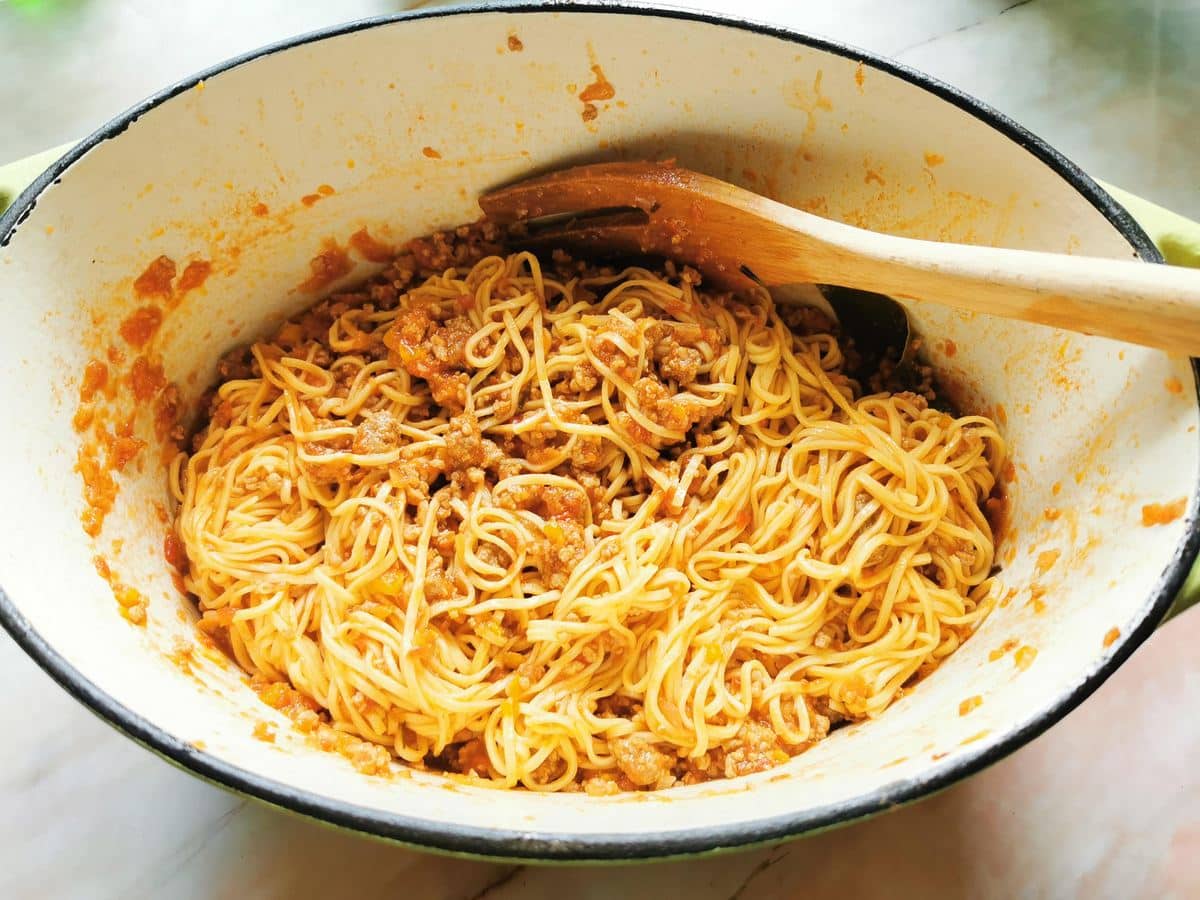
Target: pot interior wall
{"type": "Point", "coordinates": [407, 123]}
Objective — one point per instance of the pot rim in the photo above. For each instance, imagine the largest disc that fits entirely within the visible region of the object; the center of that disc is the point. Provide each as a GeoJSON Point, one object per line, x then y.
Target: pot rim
{"type": "Point", "coordinates": [522, 845]}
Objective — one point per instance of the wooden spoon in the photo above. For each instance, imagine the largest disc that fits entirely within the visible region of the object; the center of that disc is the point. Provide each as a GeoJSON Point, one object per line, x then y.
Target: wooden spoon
{"type": "Point", "coordinates": [735, 237]}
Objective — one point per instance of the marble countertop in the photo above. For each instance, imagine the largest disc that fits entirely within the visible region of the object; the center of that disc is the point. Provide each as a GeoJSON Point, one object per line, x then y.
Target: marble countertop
{"type": "Point", "coordinates": [1106, 804]}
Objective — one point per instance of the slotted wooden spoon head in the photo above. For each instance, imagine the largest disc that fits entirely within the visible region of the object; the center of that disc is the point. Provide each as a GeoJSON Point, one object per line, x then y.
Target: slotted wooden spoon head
{"type": "Point", "coordinates": [631, 208]}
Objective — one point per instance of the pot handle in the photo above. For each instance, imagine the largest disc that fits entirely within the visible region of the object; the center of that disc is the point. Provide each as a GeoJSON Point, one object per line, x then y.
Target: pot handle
{"type": "Point", "coordinates": [1188, 596]}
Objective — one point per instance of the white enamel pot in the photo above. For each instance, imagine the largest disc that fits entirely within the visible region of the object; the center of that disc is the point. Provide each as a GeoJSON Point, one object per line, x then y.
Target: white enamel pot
{"type": "Point", "coordinates": [408, 120]}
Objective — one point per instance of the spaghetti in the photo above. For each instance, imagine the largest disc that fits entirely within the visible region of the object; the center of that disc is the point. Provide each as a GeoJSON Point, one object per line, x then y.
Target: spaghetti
{"type": "Point", "coordinates": [572, 528]}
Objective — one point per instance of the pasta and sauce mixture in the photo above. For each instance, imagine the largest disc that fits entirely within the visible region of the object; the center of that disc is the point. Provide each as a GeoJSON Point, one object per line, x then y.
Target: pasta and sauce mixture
{"type": "Point", "coordinates": [565, 527]}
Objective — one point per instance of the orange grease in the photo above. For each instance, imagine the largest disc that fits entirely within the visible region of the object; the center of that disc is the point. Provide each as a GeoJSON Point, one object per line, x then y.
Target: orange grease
{"type": "Point", "coordinates": [969, 704]}
{"type": "Point", "coordinates": [194, 275]}
{"type": "Point", "coordinates": [1001, 650]}
{"type": "Point", "coordinates": [1163, 513]}
{"type": "Point", "coordinates": [99, 489]}
{"type": "Point", "coordinates": [146, 379]}
{"type": "Point", "coordinates": [1173, 385]}
{"type": "Point", "coordinates": [600, 89]}
{"type": "Point", "coordinates": [431, 153]}
{"type": "Point", "coordinates": [1047, 558]}
{"type": "Point", "coordinates": [327, 266]}
{"type": "Point", "coordinates": [369, 248]}
{"type": "Point", "coordinates": [1110, 636]}
{"type": "Point", "coordinates": [1036, 593]}
{"type": "Point", "coordinates": [95, 377]}
{"type": "Point", "coordinates": [156, 280]}
{"type": "Point", "coordinates": [141, 324]}
{"type": "Point", "coordinates": [1024, 657]}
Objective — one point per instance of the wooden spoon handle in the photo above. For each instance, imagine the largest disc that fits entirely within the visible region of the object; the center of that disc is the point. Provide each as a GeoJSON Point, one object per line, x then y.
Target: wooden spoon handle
{"type": "Point", "coordinates": [1154, 305]}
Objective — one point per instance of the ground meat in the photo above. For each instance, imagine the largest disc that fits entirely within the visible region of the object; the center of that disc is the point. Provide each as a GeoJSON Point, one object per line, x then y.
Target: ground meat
{"type": "Point", "coordinates": [378, 432]}
{"type": "Point", "coordinates": [584, 378]}
{"type": "Point", "coordinates": [658, 404]}
{"type": "Point", "coordinates": [641, 761]}
{"type": "Point", "coordinates": [326, 470]}
{"type": "Point", "coordinates": [414, 476]}
{"type": "Point", "coordinates": [236, 364]}
{"type": "Point", "coordinates": [755, 749]}
{"type": "Point", "coordinates": [560, 552]}
{"type": "Point", "coordinates": [806, 319]}
{"type": "Point", "coordinates": [472, 757]}
{"type": "Point", "coordinates": [681, 364]}
{"type": "Point", "coordinates": [464, 246]}
{"type": "Point", "coordinates": [602, 785]}
{"type": "Point", "coordinates": [448, 341]}
{"type": "Point", "coordinates": [464, 443]}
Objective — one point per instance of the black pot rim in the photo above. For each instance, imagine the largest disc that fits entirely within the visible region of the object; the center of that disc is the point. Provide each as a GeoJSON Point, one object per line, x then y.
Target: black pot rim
{"type": "Point", "coordinates": [516, 844]}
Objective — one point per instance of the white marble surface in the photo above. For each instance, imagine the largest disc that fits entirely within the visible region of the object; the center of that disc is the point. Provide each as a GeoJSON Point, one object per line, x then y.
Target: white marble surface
{"type": "Point", "coordinates": [1107, 804]}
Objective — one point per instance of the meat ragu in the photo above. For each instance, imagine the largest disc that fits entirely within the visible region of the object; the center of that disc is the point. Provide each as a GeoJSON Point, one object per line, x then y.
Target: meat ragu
{"type": "Point", "coordinates": [561, 525]}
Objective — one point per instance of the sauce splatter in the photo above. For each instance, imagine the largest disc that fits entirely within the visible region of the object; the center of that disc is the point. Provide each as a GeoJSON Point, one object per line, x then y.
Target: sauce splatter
{"type": "Point", "coordinates": [1024, 657]}
{"type": "Point", "coordinates": [141, 324]}
{"type": "Point", "coordinates": [194, 275]}
{"type": "Point", "coordinates": [131, 603]}
{"type": "Point", "coordinates": [260, 209]}
{"type": "Point", "coordinates": [369, 248]}
{"type": "Point", "coordinates": [600, 89]}
{"type": "Point", "coordinates": [860, 76]}
{"type": "Point", "coordinates": [933, 159]}
{"type": "Point", "coordinates": [1046, 559]}
{"type": "Point", "coordinates": [95, 378]}
{"type": "Point", "coordinates": [1173, 385]}
{"type": "Point", "coordinates": [99, 489]}
{"type": "Point", "coordinates": [514, 43]}
{"type": "Point", "coordinates": [156, 280]}
{"type": "Point", "coordinates": [322, 191]}
{"type": "Point", "coordinates": [265, 731]}
{"type": "Point", "coordinates": [1050, 513]}
{"type": "Point", "coordinates": [1036, 593]}
{"type": "Point", "coordinates": [1001, 650]}
{"type": "Point", "coordinates": [1163, 513]}
{"type": "Point", "coordinates": [431, 153]}
{"type": "Point", "coordinates": [1056, 488]}
{"type": "Point", "coordinates": [166, 420]}
{"type": "Point", "coordinates": [174, 552]}
{"type": "Point", "coordinates": [969, 704]}
{"type": "Point", "coordinates": [872, 175]}
{"type": "Point", "coordinates": [951, 348]}
{"type": "Point", "coordinates": [182, 657]}
{"type": "Point", "coordinates": [327, 266]}
{"type": "Point", "coordinates": [1110, 636]}
{"type": "Point", "coordinates": [146, 379]}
